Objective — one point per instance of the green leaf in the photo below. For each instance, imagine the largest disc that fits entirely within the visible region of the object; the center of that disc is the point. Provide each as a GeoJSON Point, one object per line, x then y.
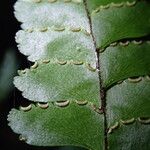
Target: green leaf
{"type": "Point", "coordinates": [73, 45]}
{"type": "Point", "coordinates": [92, 5]}
{"type": "Point", "coordinates": [123, 22]}
{"type": "Point", "coordinates": [66, 45]}
{"type": "Point", "coordinates": [47, 14]}
{"type": "Point", "coordinates": [134, 136]}
{"type": "Point", "coordinates": [129, 99]}
{"type": "Point", "coordinates": [55, 126]}
{"type": "Point", "coordinates": [56, 82]}
{"type": "Point", "coordinates": [128, 114]}
{"type": "Point", "coordinates": [125, 60]}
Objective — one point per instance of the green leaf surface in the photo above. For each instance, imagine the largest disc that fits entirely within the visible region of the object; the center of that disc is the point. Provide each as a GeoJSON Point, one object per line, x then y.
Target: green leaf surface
{"type": "Point", "coordinates": [47, 14]}
{"type": "Point", "coordinates": [66, 45]}
{"type": "Point", "coordinates": [128, 114]}
{"type": "Point", "coordinates": [132, 137]}
{"type": "Point", "coordinates": [121, 62]}
{"type": "Point", "coordinates": [72, 44]}
{"type": "Point", "coordinates": [56, 82]}
{"type": "Point", "coordinates": [129, 99]}
{"type": "Point", "coordinates": [115, 23]}
{"type": "Point", "coordinates": [93, 4]}
{"type": "Point", "coordinates": [55, 126]}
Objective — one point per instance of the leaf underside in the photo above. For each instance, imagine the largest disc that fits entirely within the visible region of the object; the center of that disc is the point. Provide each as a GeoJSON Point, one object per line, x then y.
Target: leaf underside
{"type": "Point", "coordinates": [57, 126]}
{"type": "Point", "coordinates": [69, 41]}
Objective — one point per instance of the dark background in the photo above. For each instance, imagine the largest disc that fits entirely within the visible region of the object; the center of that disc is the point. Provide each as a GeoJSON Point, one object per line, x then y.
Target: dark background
{"type": "Point", "coordinates": [8, 28]}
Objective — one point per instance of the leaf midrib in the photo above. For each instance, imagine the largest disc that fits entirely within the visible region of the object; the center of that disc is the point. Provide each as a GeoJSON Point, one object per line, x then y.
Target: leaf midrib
{"type": "Point", "coordinates": [102, 91]}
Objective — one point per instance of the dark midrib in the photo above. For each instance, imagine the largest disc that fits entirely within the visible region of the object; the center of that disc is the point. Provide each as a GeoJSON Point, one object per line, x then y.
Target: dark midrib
{"type": "Point", "coordinates": [102, 89]}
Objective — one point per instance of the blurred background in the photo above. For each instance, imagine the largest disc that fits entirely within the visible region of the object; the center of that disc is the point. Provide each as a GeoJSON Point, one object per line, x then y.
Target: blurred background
{"type": "Point", "coordinates": [10, 61]}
